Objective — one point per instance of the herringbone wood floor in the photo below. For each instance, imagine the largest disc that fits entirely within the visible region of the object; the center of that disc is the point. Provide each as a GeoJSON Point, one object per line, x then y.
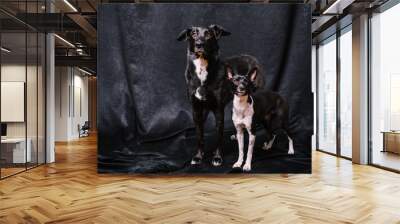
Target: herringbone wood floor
{"type": "Point", "coordinates": [71, 191]}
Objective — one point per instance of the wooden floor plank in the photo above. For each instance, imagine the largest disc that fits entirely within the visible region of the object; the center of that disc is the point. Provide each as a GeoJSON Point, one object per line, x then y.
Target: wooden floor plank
{"type": "Point", "coordinates": [71, 191]}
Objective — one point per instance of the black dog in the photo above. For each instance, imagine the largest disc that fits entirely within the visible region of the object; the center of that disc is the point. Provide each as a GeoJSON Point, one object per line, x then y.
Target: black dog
{"type": "Point", "coordinates": [205, 78]}
{"type": "Point", "coordinates": [251, 108]}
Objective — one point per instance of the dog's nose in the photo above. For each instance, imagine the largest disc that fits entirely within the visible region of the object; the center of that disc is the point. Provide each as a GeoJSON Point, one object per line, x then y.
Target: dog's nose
{"type": "Point", "coordinates": [199, 45]}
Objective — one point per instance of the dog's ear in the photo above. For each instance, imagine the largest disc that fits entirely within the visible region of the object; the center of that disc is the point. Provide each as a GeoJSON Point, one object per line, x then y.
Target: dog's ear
{"type": "Point", "coordinates": [184, 34]}
{"type": "Point", "coordinates": [253, 74]}
{"type": "Point", "coordinates": [256, 78]}
{"type": "Point", "coordinates": [219, 31]}
{"type": "Point", "coordinates": [228, 71]}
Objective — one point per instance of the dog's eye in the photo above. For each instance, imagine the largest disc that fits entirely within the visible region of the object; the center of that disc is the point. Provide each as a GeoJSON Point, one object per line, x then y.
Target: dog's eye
{"type": "Point", "coordinates": [194, 34]}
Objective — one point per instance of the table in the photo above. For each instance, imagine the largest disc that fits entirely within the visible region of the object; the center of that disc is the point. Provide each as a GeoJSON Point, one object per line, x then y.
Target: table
{"type": "Point", "coordinates": [391, 141]}
{"type": "Point", "coordinates": [17, 147]}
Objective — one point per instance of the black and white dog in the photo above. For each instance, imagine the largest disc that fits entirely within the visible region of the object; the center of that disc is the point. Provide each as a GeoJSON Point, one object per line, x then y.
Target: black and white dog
{"type": "Point", "coordinates": [205, 78]}
{"type": "Point", "coordinates": [250, 108]}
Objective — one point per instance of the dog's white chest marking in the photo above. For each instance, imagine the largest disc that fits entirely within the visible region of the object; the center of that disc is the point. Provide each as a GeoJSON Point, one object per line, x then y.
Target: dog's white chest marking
{"type": "Point", "coordinates": [201, 69]}
{"type": "Point", "coordinates": [242, 117]}
{"type": "Point", "coordinates": [242, 114]}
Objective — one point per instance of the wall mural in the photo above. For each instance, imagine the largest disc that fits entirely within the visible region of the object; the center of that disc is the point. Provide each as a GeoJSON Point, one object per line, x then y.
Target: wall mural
{"type": "Point", "coordinates": [204, 88]}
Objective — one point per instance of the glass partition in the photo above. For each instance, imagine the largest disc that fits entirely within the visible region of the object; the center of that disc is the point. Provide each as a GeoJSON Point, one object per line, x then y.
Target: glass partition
{"type": "Point", "coordinates": [385, 89]}
{"type": "Point", "coordinates": [41, 96]}
{"type": "Point", "coordinates": [22, 87]}
{"type": "Point", "coordinates": [346, 92]}
{"type": "Point", "coordinates": [32, 96]}
{"type": "Point", "coordinates": [327, 95]}
{"type": "Point", "coordinates": [14, 145]}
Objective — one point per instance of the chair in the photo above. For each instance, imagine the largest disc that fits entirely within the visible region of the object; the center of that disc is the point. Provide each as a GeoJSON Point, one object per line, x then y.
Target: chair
{"type": "Point", "coordinates": [84, 130]}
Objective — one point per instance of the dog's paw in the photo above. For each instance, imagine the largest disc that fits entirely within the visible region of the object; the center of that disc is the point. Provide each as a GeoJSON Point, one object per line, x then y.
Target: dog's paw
{"type": "Point", "coordinates": [233, 137]}
{"type": "Point", "coordinates": [238, 164]}
{"type": "Point", "coordinates": [291, 151]}
{"type": "Point", "coordinates": [247, 167]}
{"type": "Point", "coordinates": [216, 161]}
{"type": "Point", "coordinates": [196, 160]}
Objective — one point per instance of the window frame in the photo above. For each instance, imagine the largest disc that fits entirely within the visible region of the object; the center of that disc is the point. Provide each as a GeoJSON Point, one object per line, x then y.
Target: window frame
{"type": "Point", "coordinates": [333, 37]}
{"type": "Point", "coordinates": [381, 9]}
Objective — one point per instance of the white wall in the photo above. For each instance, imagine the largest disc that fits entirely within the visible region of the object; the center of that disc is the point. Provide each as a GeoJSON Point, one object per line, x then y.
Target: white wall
{"type": "Point", "coordinates": [17, 72]}
{"type": "Point", "coordinates": [71, 102]}
{"type": "Point", "coordinates": [61, 103]}
{"type": "Point", "coordinates": [14, 72]}
{"type": "Point", "coordinates": [80, 109]}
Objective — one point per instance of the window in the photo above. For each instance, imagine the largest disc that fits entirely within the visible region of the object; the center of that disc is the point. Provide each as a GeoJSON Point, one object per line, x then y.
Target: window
{"type": "Point", "coordinates": [327, 95]}
{"type": "Point", "coordinates": [385, 89]}
{"type": "Point", "coordinates": [334, 106]}
{"type": "Point", "coordinates": [346, 92]}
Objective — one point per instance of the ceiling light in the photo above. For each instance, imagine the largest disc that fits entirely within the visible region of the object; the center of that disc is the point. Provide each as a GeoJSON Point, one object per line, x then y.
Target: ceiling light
{"type": "Point", "coordinates": [84, 71]}
{"type": "Point", "coordinates": [333, 6]}
{"type": "Point", "coordinates": [65, 41]}
{"type": "Point", "coordinates": [80, 51]}
{"type": "Point", "coordinates": [70, 5]}
{"type": "Point", "coordinates": [338, 6]}
{"type": "Point", "coordinates": [5, 50]}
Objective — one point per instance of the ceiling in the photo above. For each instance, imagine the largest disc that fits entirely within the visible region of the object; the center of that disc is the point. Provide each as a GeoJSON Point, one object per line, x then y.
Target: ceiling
{"type": "Point", "coordinates": [75, 22]}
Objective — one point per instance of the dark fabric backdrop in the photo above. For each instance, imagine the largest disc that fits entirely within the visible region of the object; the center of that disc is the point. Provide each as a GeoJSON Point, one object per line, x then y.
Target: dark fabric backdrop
{"type": "Point", "coordinates": [145, 120]}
